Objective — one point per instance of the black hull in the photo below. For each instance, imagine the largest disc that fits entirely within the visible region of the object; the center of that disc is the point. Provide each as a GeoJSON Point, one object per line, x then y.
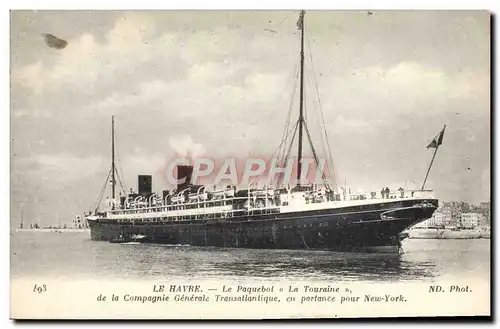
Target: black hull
{"type": "Point", "coordinates": [343, 229]}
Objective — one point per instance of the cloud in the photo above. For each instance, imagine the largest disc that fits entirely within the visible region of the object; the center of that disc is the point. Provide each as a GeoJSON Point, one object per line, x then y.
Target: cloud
{"type": "Point", "coordinates": [62, 168]}
{"type": "Point", "coordinates": [30, 76]}
{"type": "Point", "coordinates": [130, 30]}
{"type": "Point", "coordinates": [473, 85]}
{"type": "Point", "coordinates": [135, 62]}
{"type": "Point", "coordinates": [217, 82]}
{"type": "Point", "coordinates": [35, 113]}
{"type": "Point", "coordinates": [404, 84]}
{"type": "Point", "coordinates": [85, 61]}
{"type": "Point", "coordinates": [376, 94]}
{"type": "Point", "coordinates": [427, 82]}
{"type": "Point", "coordinates": [209, 91]}
{"type": "Point", "coordinates": [140, 163]}
{"type": "Point", "coordinates": [142, 94]}
{"type": "Point", "coordinates": [346, 125]}
{"type": "Point", "coordinates": [184, 146]}
{"type": "Point", "coordinates": [486, 181]}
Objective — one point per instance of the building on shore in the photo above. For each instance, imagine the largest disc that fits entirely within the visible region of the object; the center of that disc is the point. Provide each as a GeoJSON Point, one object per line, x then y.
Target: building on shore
{"type": "Point", "coordinates": [445, 217]}
{"type": "Point", "coordinates": [485, 210]}
{"type": "Point", "coordinates": [79, 222]}
{"type": "Point", "coordinates": [485, 205]}
{"type": "Point", "coordinates": [458, 215]}
{"type": "Point", "coordinates": [451, 217]}
{"type": "Point", "coordinates": [470, 220]}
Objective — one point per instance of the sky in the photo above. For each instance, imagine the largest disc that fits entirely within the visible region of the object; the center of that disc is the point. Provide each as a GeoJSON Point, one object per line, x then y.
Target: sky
{"type": "Point", "coordinates": [221, 83]}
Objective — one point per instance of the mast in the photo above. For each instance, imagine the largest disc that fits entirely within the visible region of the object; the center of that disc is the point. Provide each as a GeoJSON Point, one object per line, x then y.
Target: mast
{"type": "Point", "coordinates": [113, 156]}
{"type": "Point", "coordinates": [438, 140]}
{"type": "Point", "coordinates": [429, 169]}
{"type": "Point", "coordinates": [300, 25]}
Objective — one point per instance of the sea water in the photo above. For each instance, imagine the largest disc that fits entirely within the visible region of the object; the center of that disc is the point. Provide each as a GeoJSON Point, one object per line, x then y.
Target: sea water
{"type": "Point", "coordinates": [70, 255]}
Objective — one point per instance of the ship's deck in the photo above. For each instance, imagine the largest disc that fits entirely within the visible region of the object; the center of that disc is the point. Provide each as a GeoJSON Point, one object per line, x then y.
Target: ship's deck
{"type": "Point", "coordinates": [248, 206]}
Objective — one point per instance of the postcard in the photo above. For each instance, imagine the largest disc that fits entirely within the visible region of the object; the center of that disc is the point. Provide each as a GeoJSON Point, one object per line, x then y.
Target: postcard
{"type": "Point", "coordinates": [292, 164]}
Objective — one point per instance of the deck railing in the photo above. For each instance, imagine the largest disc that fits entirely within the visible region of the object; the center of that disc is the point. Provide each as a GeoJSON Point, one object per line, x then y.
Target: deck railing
{"type": "Point", "coordinates": [268, 204]}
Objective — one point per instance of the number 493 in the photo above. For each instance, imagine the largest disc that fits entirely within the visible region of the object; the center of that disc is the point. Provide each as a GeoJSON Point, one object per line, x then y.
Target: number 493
{"type": "Point", "coordinates": [39, 289]}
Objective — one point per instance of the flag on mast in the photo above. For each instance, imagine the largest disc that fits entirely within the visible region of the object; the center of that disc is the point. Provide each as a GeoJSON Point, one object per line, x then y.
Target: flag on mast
{"type": "Point", "coordinates": [438, 140]}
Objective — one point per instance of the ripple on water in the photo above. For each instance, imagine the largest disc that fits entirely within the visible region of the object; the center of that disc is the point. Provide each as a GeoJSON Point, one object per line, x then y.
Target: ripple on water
{"type": "Point", "coordinates": [74, 255]}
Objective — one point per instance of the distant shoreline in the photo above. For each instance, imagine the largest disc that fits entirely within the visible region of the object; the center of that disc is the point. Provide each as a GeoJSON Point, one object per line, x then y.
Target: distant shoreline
{"type": "Point", "coordinates": [432, 233]}
{"type": "Point", "coordinates": [52, 230]}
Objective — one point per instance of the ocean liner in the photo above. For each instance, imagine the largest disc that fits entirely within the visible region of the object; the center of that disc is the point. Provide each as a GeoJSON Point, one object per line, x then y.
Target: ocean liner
{"type": "Point", "coordinates": [306, 216]}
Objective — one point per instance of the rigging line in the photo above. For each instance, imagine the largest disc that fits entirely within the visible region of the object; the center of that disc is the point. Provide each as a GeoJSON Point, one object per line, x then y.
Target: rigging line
{"type": "Point", "coordinates": [317, 98]}
{"type": "Point", "coordinates": [286, 131]}
{"type": "Point", "coordinates": [305, 104]}
{"type": "Point", "coordinates": [314, 151]}
{"type": "Point", "coordinates": [119, 175]}
{"type": "Point", "coordinates": [121, 184]}
{"type": "Point", "coordinates": [270, 115]}
{"type": "Point", "coordinates": [323, 146]}
{"type": "Point", "coordinates": [310, 80]}
{"type": "Point", "coordinates": [103, 189]}
{"type": "Point", "coordinates": [313, 79]}
{"type": "Point", "coordinates": [291, 141]}
{"type": "Point", "coordinates": [329, 154]}
{"type": "Point", "coordinates": [328, 150]}
{"type": "Point", "coordinates": [290, 110]}
{"type": "Point", "coordinates": [120, 168]}
{"type": "Point", "coordinates": [288, 122]}
{"type": "Point", "coordinates": [311, 144]}
{"type": "Point", "coordinates": [294, 90]}
{"type": "Point", "coordinates": [294, 130]}
{"type": "Point", "coordinates": [101, 193]}
{"type": "Point", "coordinates": [290, 107]}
